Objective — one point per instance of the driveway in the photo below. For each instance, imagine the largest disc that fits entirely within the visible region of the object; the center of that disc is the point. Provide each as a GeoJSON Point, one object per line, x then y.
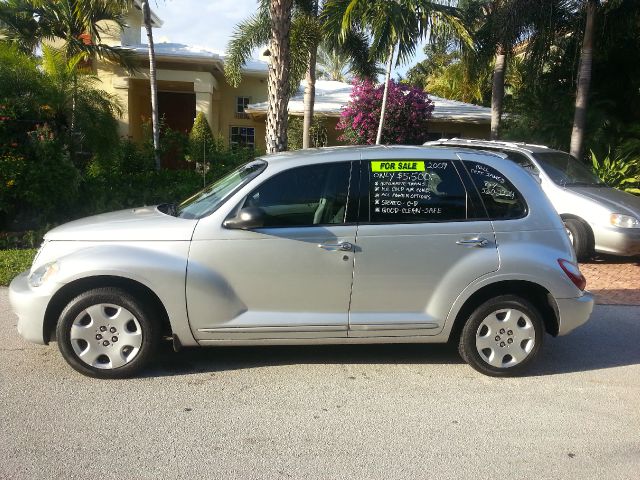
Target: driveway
{"type": "Point", "coordinates": [359, 412]}
{"type": "Point", "coordinates": [614, 280]}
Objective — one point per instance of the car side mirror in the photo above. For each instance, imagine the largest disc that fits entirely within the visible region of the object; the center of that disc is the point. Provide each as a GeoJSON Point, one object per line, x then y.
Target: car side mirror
{"type": "Point", "coordinates": [246, 219]}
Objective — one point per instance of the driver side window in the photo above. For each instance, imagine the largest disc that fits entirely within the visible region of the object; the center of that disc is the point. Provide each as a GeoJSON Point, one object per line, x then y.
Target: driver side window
{"type": "Point", "coordinates": [304, 196]}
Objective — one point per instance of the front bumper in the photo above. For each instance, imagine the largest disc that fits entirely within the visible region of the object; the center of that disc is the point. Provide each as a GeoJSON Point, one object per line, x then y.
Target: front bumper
{"type": "Point", "coordinates": [30, 305]}
{"type": "Point", "coordinates": [573, 312]}
{"type": "Point", "coordinates": [617, 241]}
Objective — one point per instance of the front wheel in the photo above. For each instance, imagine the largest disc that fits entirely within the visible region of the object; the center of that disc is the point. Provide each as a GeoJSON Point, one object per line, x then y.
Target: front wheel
{"type": "Point", "coordinates": [502, 336]}
{"type": "Point", "coordinates": [107, 333]}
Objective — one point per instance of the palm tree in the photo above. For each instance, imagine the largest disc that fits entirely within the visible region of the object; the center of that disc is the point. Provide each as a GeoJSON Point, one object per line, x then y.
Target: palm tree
{"type": "Point", "coordinates": [79, 24]}
{"type": "Point", "coordinates": [584, 80]}
{"type": "Point", "coordinates": [75, 99]}
{"type": "Point", "coordinates": [306, 34]}
{"type": "Point", "coordinates": [394, 25]}
{"type": "Point", "coordinates": [333, 64]}
{"type": "Point", "coordinates": [278, 91]}
{"type": "Point", "coordinates": [153, 82]}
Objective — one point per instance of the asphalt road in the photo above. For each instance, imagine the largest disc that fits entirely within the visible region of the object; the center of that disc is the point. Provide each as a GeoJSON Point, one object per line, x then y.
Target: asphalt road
{"type": "Point", "coordinates": [349, 412]}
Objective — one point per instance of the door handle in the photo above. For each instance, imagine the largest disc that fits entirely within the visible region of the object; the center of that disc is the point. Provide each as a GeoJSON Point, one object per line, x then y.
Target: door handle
{"type": "Point", "coordinates": [342, 247]}
{"type": "Point", "coordinates": [474, 242]}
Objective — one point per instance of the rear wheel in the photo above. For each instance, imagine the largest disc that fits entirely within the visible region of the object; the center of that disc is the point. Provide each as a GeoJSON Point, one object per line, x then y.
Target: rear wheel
{"type": "Point", "coordinates": [579, 236]}
{"type": "Point", "coordinates": [502, 336]}
{"type": "Point", "coordinates": [107, 333]}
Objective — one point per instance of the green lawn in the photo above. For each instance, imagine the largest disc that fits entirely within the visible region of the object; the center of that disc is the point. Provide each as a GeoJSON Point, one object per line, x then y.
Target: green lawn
{"type": "Point", "coordinates": [12, 262]}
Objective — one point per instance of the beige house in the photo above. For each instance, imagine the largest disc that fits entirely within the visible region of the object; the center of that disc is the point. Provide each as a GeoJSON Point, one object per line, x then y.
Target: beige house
{"type": "Point", "coordinates": [191, 80]}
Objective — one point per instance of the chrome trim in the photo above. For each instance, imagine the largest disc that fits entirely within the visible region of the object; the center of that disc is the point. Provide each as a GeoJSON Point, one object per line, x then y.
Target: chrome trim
{"type": "Point", "coordinates": [395, 326]}
{"type": "Point", "coordinates": [301, 328]}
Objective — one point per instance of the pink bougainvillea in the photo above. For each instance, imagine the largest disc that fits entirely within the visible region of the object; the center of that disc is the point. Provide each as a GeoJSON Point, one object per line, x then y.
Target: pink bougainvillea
{"type": "Point", "coordinates": [405, 121]}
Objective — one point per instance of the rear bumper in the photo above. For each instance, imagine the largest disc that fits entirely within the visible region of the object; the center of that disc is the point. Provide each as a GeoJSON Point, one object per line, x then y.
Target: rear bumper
{"type": "Point", "coordinates": [573, 312]}
{"type": "Point", "coordinates": [30, 305]}
{"type": "Point", "coordinates": [618, 241]}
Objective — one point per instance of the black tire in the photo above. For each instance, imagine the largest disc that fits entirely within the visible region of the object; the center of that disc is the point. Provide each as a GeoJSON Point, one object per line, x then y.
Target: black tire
{"type": "Point", "coordinates": [499, 350]}
{"type": "Point", "coordinates": [140, 331]}
{"type": "Point", "coordinates": [580, 238]}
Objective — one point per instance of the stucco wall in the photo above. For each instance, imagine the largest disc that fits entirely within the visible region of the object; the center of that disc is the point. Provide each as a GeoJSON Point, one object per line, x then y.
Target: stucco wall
{"type": "Point", "coordinates": [253, 87]}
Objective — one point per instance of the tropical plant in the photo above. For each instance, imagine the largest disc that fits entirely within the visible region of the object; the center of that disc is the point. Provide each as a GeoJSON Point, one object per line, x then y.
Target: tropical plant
{"type": "Point", "coordinates": [86, 116]}
{"type": "Point", "coordinates": [445, 73]}
{"type": "Point", "coordinates": [392, 25]}
{"type": "Point", "coordinates": [622, 173]}
{"type": "Point", "coordinates": [317, 134]}
{"type": "Point", "coordinates": [307, 31]}
{"type": "Point", "coordinates": [408, 112]}
{"type": "Point", "coordinates": [79, 24]}
{"type": "Point", "coordinates": [333, 64]}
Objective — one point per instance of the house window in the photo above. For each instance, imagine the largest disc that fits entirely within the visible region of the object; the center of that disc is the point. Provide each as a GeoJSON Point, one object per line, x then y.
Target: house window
{"type": "Point", "coordinates": [241, 104]}
{"type": "Point", "coordinates": [243, 137]}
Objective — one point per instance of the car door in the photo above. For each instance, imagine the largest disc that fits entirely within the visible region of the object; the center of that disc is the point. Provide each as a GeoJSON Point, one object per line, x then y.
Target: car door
{"type": "Point", "coordinates": [290, 278]}
{"type": "Point", "coordinates": [419, 244]}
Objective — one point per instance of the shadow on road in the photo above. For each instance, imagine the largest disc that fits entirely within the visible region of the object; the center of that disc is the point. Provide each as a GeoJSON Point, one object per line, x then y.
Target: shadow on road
{"type": "Point", "coordinates": [217, 359]}
{"type": "Point", "coordinates": [611, 339]}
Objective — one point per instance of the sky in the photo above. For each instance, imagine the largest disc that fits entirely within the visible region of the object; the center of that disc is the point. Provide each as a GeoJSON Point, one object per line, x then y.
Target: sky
{"type": "Point", "coordinates": [207, 23]}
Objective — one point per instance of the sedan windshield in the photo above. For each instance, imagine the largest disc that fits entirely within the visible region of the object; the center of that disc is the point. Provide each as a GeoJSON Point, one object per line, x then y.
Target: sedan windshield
{"type": "Point", "coordinates": [565, 170]}
{"type": "Point", "coordinates": [208, 200]}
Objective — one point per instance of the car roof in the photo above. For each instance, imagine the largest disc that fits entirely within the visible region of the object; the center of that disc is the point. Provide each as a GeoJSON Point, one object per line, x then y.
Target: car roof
{"type": "Point", "coordinates": [341, 153]}
{"type": "Point", "coordinates": [477, 143]}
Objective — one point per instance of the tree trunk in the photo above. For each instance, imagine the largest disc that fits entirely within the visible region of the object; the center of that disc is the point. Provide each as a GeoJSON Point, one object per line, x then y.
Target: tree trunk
{"type": "Point", "coordinates": [387, 77]}
{"type": "Point", "coordinates": [155, 120]}
{"type": "Point", "coordinates": [497, 91]}
{"type": "Point", "coordinates": [278, 80]}
{"type": "Point", "coordinates": [584, 83]}
{"type": "Point", "coordinates": [310, 91]}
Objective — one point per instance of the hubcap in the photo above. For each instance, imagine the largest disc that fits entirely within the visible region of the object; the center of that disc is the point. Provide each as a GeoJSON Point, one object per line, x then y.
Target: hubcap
{"type": "Point", "coordinates": [505, 338]}
{"type": "Point", "coordinates": [106, 336]}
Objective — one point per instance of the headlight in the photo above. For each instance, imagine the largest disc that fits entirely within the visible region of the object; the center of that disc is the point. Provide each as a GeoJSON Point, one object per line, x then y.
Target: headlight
{"type": "Point", "coordinates": [624, 221]}
{"type": "Point", "coordinates": [43, 273]}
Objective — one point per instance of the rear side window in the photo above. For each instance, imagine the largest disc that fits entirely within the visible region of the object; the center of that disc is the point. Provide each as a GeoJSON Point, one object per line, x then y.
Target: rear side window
{"type": "Point", "coordinates": [501, 199]}
{"type": "Point", "coordinates": [407, 191]}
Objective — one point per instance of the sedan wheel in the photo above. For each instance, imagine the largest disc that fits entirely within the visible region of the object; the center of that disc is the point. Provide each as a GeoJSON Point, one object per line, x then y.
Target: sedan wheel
{"type": "Point", "coordinates": [106, 336]}
{"type": "Point", "coordinates": [106, 333]}
{"type": "Point", "coordinates": [505, 338]}
{"type": "Point", "coordinates": [502, 336]}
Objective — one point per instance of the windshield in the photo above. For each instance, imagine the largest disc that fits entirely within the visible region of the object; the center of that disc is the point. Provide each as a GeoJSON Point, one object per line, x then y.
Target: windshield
{"type": "Point", "coordinates": [210, 198]}
{"type": "Point", "coordinates": [565, 170]}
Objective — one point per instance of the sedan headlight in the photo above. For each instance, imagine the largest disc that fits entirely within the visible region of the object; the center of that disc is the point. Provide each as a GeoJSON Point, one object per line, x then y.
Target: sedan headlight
{"type": "Point", "coordinates": [624, 221]}
{"type": "Point", "coordinates": [43, 273]}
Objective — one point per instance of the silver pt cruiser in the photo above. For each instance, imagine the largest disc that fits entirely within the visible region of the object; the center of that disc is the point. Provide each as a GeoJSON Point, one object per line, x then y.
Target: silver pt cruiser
{"type": "Point", "coordinates": [336, 245]}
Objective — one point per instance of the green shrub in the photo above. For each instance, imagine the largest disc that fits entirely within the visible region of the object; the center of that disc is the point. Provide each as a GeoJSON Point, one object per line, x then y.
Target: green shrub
{"type": "Point", "coordinates": [619, 172]}
{"type": "Point", "coordinates": [202, 145]}
{"type": "Point", "coordinates": [13, 262]}
{"type": "Point", "coordinates": [318, 133]}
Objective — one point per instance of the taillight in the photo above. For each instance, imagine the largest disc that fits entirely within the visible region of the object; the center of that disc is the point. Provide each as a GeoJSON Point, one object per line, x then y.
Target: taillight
{"type": "Point", "coordinates": [573, 272]}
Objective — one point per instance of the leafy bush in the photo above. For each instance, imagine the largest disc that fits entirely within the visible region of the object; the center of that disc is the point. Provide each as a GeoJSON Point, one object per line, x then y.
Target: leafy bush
{"type": "Point", "coordinates": [318, 133]}
{"type": "Point", "coordinates": [13, 262]}
{"type": "Point", "coordinates": [407, 114]}
{"type": "Point", "coordinates": [619, 172]}
{"type": "Point", "coordinates": [202, 145]}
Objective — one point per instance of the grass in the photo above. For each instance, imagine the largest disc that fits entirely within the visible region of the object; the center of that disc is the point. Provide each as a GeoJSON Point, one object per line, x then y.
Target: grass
{"type": "Point", "coordinates": [13, 262]}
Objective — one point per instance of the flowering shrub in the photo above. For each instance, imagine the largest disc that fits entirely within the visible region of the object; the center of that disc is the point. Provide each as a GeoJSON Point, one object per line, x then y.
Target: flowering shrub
{"type": "Point", "coordinates": [405, 121]}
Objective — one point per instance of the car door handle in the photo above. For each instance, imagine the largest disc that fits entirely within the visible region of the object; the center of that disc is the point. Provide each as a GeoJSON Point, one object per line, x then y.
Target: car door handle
{"type": "Point", "coordinates": [474, 242]}
{"type": "Point", "coordinates": [342, 247]}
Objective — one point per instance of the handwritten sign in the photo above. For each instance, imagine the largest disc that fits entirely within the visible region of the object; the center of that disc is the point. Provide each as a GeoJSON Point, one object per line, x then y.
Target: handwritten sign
{"type": "Point", "coordinates": [408, 190]}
